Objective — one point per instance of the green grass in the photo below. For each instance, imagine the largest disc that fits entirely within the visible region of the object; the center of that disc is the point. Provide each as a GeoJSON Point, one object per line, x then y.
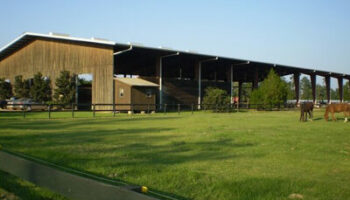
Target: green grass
{"type": "Point", "coordinates": [13, 188]}
{"type": "Point", "coordinates": [247, 155]}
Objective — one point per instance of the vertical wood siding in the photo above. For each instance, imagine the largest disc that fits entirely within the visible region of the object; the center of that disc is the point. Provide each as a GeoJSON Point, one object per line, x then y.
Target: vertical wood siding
{"type": "Point", "coordinates": [51, 57]}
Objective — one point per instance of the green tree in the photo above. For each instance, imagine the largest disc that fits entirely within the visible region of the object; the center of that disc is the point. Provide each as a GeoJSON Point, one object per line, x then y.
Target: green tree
{"type": "Point", "coordinates": [40, 90]}
{"type": "Point", "coordinates": [65, 88]}
{"type": "Point", "coordinates": [306, 90]}
{"type": "Point", "coordinates": [245, 93]}
{"type": "Point", "coordinates": [5, 89]}
{"type": "Point", "coordinates": [321, 93]}
{"type": "Point", "coordinates": [335, 94]}
{"type": "Point", "coordinates": [215, 98]}
{"type": "Point", "coordinates": [273, 90]}
{"type": "Point", "coordinates": [21, 87]}
{"type": "Point", "coordinates": [290, 89]}
{"type": "Point", "coordinates": [346, 89]}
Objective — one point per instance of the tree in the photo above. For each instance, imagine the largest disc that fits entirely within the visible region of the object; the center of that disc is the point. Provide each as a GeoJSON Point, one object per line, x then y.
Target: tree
{"type": "Point", "coordinates": [321, 93]}
{"type": "Point", "coordinates": [306, 90]}
{"type": "Point", "coordinates": [273, 90]}
{"type": "Point", "coordinates": [346, 89]}
{"type": "Point", "coordinates": [65, 88]}
{"type": "Point", "coordinates": [290, 89]}
{"type": "Point", "coordinates": [21, 87]}
{"type": "Point", "coordinates": [5, 89]}
{"type": "Point", "coordinates": [215, 98]}
{"type": "Point", "coordinates": [335, 93]}
{"type": "Point", "coordinates": [40, 90]}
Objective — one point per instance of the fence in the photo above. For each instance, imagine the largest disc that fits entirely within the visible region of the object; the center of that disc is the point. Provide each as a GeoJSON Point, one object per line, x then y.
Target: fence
{"type": "Point", "coordinates": [114, 109]}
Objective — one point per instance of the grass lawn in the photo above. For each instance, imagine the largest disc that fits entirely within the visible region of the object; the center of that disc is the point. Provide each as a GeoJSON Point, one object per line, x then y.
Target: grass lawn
{"type": "Point", "coordinates": [247, 155]}
{"type": "Point", "coordinates": [13, 188]}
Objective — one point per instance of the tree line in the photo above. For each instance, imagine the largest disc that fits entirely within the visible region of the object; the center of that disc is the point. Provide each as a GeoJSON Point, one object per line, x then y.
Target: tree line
{"type": "Point", "coordinates": [39, 88]}
{"type": "Point", "coordinates": [274, 90]}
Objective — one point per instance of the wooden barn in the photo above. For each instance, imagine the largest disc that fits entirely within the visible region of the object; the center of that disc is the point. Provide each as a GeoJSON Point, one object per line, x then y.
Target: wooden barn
{"type": "Point", "coordinates": [137, 94]}
{"type": "Point", "coordinates": [179, 77]}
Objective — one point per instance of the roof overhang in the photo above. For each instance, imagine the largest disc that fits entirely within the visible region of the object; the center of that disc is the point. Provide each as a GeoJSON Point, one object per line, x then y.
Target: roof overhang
{"type": "Point", "coordinates": [28, 37]}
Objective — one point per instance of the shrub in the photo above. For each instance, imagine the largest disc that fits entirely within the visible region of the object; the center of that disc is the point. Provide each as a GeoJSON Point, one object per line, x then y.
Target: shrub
{"type": "Point", "coordinates": [21, 87]}
{"type": "Point", "coordinates": [272, 91]}
{"type": "Point", "coordinates": [65, 88]}
{"type": "Point", "coordinates": [40, 91]}
{"type": "Point", "coordinates": [5, 89]}
{"type": "Point", "coordinates": [215, 99]}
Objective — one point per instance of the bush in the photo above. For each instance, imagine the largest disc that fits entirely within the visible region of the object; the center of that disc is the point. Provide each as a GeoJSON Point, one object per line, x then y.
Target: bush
{"type": "Point", "coordinates": [215, 99]}
{"type": "Point", "coordinates": [5, 89]}
{"type": "Point", "coordinates": [21, 87]}
{"type": "Point", "coordinates": [65, 88]}
{"type": "Point", "coordinates": [272, 91]}
{"type": "Point", "coordinates": [40, 90]}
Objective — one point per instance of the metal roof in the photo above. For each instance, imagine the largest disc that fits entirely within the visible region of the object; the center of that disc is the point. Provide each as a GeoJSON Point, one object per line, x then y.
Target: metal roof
{"type": "Point", "coordinates": [27, 37]}
{"type": "Point", "coordinates": [136, 82]}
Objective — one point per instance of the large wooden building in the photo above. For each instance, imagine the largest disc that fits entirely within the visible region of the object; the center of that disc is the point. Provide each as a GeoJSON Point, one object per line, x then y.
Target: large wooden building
{"type": "Point", "coordinates": [181, 76]}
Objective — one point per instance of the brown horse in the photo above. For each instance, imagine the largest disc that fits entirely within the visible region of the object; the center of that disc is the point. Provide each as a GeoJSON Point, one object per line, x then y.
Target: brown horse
{"type": "Point", "coordinates": [335, 108]}
{"type": "Point", "coordinates": [305, 108]}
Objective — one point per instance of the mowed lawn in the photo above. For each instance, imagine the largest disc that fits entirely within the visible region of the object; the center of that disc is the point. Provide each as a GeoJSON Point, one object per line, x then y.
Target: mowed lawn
{"type": "Point", "coordinates": [246, 155]}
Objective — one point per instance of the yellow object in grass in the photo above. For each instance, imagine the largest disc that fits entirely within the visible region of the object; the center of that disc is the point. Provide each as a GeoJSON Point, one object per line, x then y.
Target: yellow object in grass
{"type": "Point", "coordinates": [144, 189]}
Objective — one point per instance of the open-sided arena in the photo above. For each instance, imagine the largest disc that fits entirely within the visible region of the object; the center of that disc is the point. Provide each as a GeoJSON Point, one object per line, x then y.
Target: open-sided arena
{"type": "Point", "coordinates": [181, 76]}
{"type": "Point", "coordinates": [183, 153]}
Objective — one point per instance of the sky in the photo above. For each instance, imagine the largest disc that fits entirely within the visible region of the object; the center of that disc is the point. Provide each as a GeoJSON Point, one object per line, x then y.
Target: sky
{"type": "Point", "coordinates": [311, 34]}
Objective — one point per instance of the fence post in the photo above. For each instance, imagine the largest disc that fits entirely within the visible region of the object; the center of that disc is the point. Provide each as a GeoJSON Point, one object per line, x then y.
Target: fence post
{"type": "Point", "coordinates": [24, 111]}
{"type": "Point", "coordinates": [49, 110]}
{"type": "Point", "coordinates": [113, 109]}
{"type": "Point", "coordinates": [164, 108]}
{"type": "Point", "coordinates": [72, 110]}
{"type": "Point", "coordinates": [93, 110]}
{"type": "Point", "coordinates": [148, 109]}
{"type": "Point", "coordinates": [216, 107]}
{"type": "Point", "coordinates": [192, 109]}
{"type": "Point", "coordinates": [178, 108]}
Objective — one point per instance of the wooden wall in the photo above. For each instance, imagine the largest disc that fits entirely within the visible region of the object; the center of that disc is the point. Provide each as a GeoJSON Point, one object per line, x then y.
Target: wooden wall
{"type": "Point", "coordinates": [50, 57]}
{"type": "Point", "coordinates": [139, 96]}
{"type": "Point", "coordinates": [126, 99]}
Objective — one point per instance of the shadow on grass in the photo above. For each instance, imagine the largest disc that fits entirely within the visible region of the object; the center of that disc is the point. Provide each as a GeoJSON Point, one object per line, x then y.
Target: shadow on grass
{"type": "Point", "coordinates": [318, 118]}
{"type": "Point", "coordinates": [55, 124]}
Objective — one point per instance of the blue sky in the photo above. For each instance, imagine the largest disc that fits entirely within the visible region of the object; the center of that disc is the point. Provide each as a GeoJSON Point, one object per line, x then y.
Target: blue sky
{"type": "Point", "coordinates": [312, 34]}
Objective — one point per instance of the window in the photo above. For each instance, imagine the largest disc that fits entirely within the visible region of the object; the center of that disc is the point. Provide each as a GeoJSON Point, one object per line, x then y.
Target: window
{"type": "Point", "coordinates": [121, 92]}
{"type": "Point", "coordinates": [148, 93]}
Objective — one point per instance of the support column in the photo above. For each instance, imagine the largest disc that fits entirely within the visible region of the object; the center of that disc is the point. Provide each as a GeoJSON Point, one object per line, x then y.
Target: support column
{"type": "Point", "coordinates": [340, 88]}
{"type": "Point", "coordinates": [199, 83]}
{"type": "Point", "coordinates": [198, 77]}
{"type": "Point", "coordinates": [296, 86]}
{"type": "Point", "coordinates": [255, 82]}
{"type": "Point", "coordinates": [159, 75]}
{"type": "Point", "coordinates": [199, 64]}
{"type": "Point", "coordinates": [313, 86]}
{"type": "Point", "coordinates": [240, 83]}
{"type": "Point", "coordinates": [231, 83]}
{"type": "Point", "coordinates": [328, 88]}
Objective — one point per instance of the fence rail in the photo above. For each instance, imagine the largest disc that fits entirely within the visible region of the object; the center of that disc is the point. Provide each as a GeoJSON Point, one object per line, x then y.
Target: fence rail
{"type": "Point", "coordinates": [141, 108]}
